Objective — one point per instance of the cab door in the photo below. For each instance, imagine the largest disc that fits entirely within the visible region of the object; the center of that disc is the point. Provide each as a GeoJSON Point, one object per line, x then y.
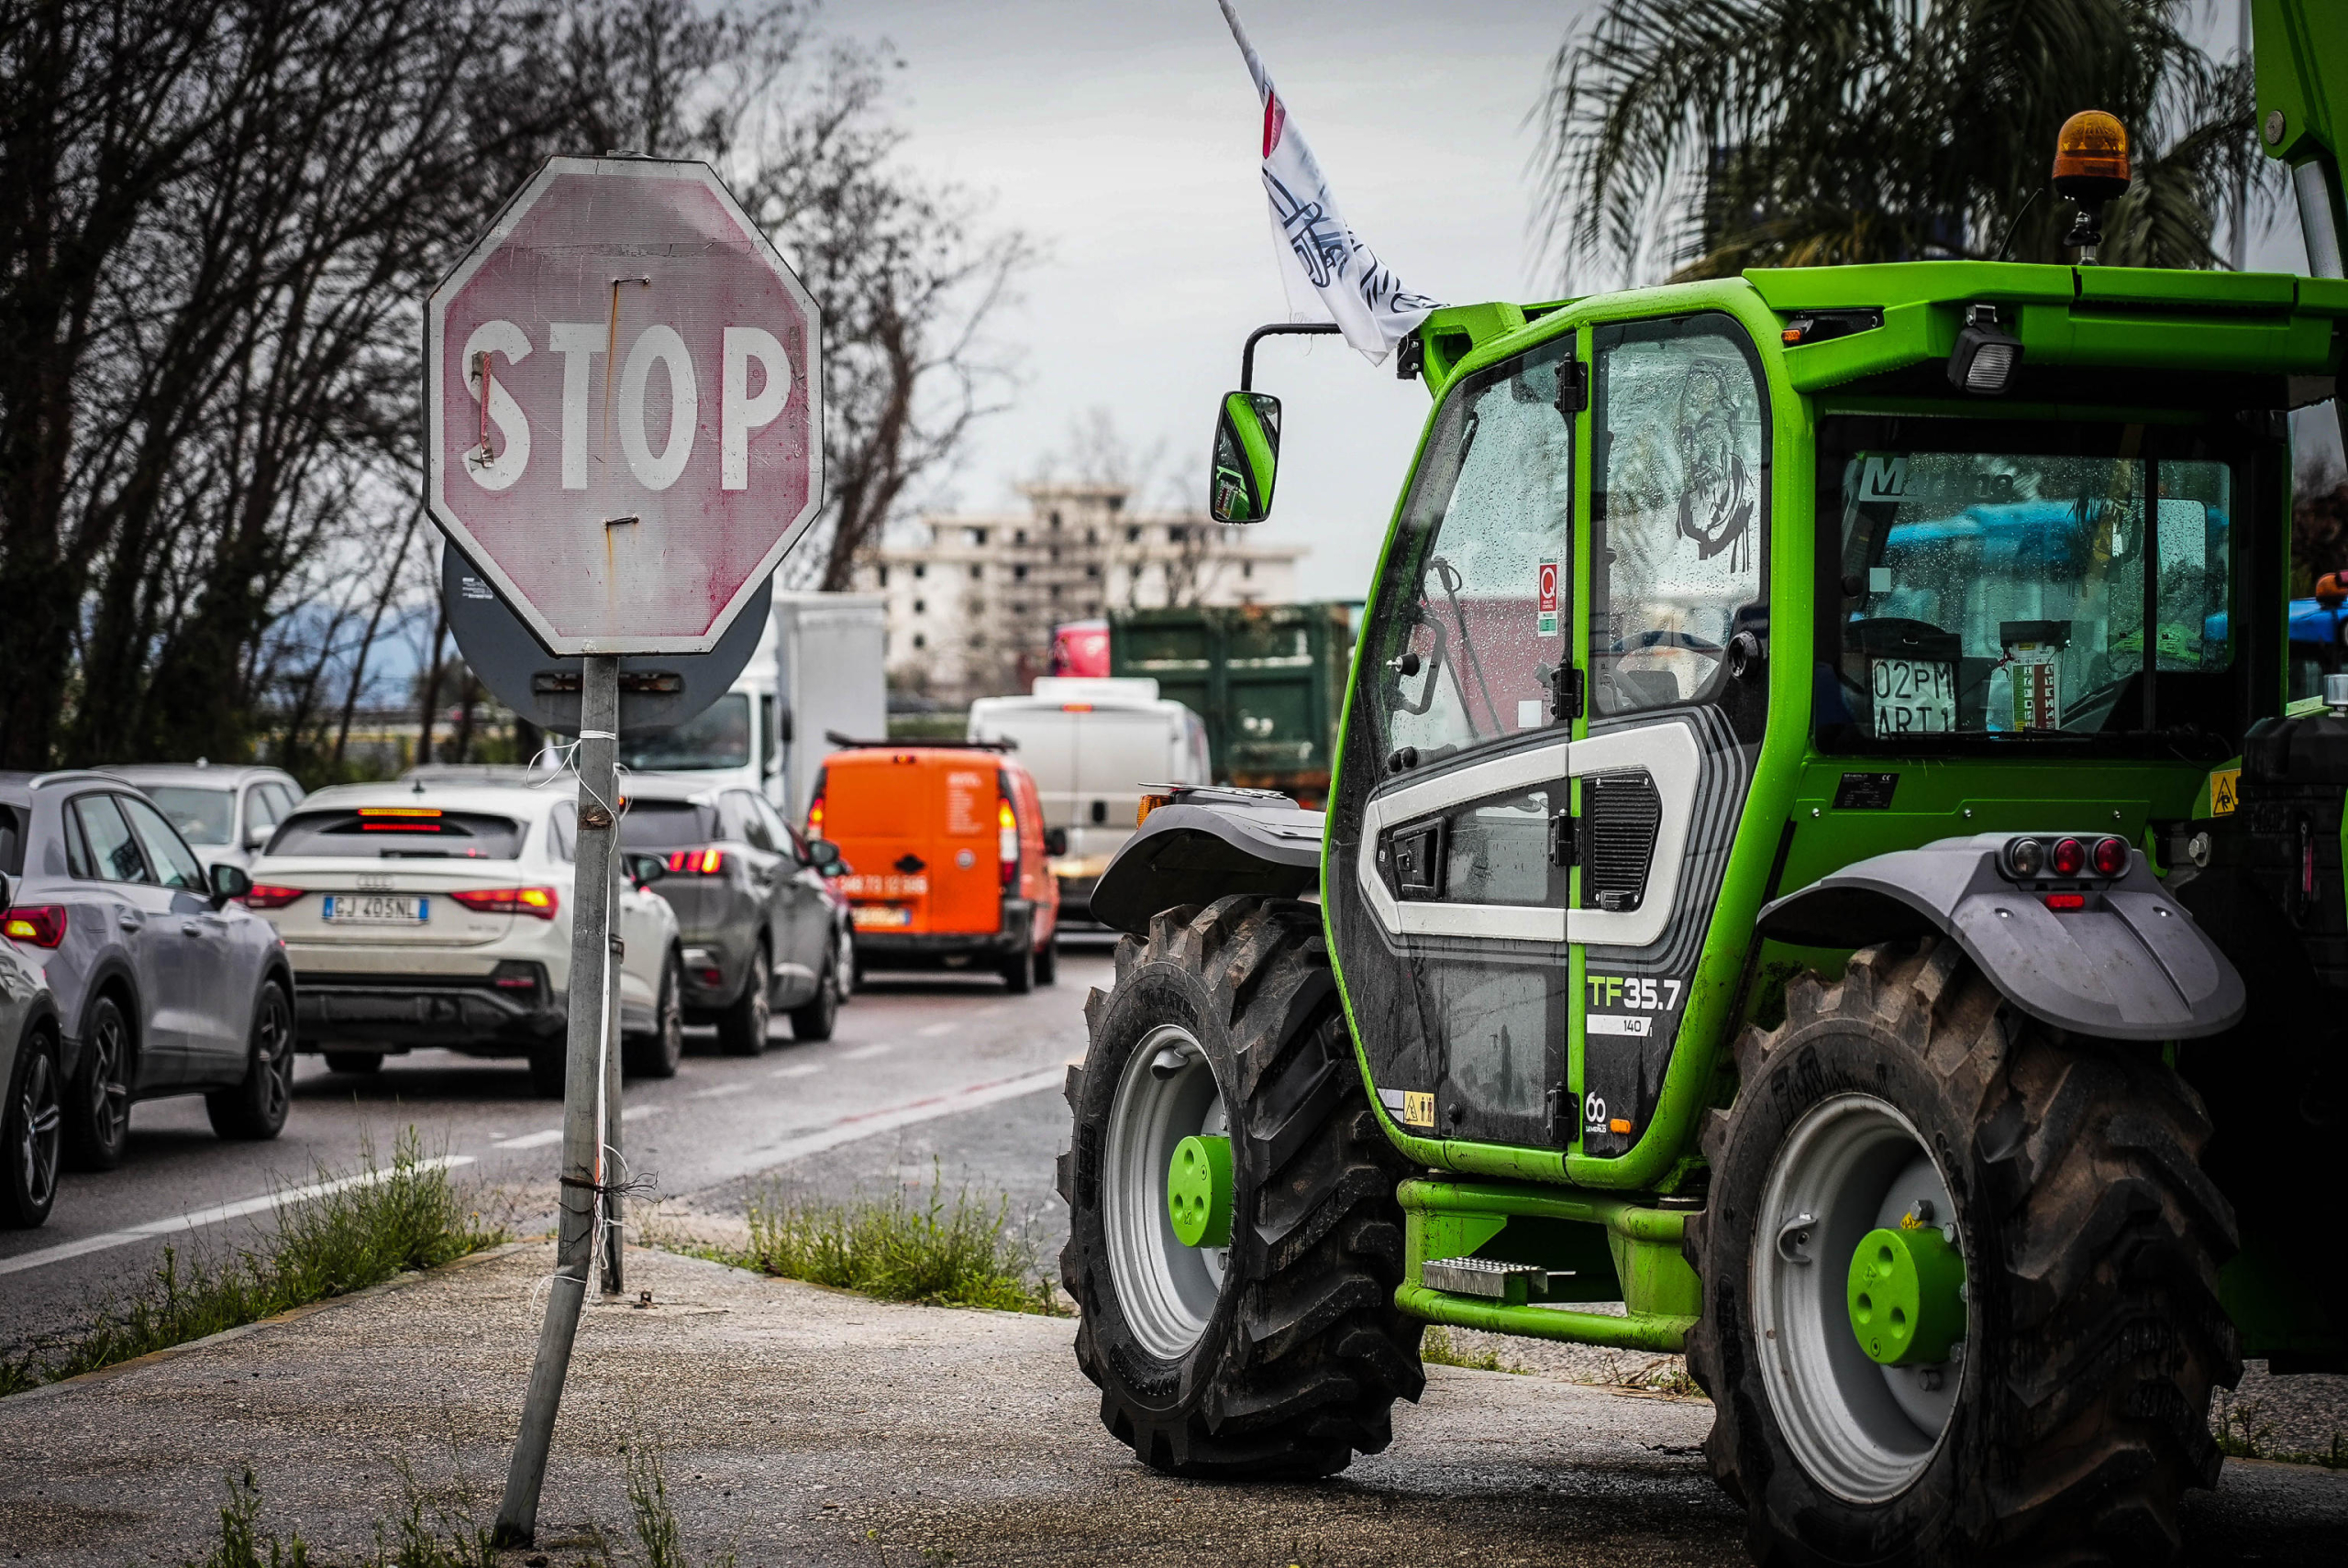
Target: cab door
{"type": "Point", "coordinates": [1542, 768]}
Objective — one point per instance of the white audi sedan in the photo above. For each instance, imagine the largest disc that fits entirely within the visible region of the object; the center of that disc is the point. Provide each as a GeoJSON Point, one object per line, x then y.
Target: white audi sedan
{"type": "Point", "coordinates": [437, 914]}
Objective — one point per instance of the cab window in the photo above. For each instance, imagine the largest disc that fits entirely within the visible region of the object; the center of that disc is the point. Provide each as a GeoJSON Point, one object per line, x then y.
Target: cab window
{"type": "Point", "coordinates": [1680, 504]}
{"type": "Point", "coordinates": [1470, 629]}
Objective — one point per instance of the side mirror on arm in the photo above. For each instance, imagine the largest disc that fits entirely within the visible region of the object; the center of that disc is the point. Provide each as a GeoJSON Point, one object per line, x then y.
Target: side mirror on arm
{"type": "Point", "coordinates": [229, 883]}
{"type": "Point", "coordinates": [825, 857]}
{"type": "Point", "coordinates": [1055, 841]}
{"type": "Point", "coordinates": [646, 870]}
{"type": "Point", "coordinates": [256, 836]}
{"type": "Point", "coordinates": [1246, 454]}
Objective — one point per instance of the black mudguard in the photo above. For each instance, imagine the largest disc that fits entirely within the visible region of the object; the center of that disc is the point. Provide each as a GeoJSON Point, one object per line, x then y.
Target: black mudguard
{"type": "Point", "coordinates": [1208, 845]}
{"type": "Point", "coordinates": [2131, 964]}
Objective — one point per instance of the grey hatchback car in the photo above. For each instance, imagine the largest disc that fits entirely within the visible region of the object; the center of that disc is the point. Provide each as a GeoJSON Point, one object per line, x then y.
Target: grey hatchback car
{"type": "Point", "coordinates": [165, 983]}
{"type": "Point", "coordinates": [760, 926]}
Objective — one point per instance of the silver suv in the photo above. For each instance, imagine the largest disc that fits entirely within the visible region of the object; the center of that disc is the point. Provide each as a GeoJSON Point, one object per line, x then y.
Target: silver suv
{"type": "Point", "coordinates": [166, 985]}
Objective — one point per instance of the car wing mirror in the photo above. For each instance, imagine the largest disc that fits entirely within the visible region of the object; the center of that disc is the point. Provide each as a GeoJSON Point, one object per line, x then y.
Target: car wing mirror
{"type": "Point", "coordinates": [258, 834]}
{"type": "Point", "coordinates": [229, 883]}
{"type": "Point", "coordinates": [1055, 841]}
{"type": "Point", "coordinates": [1247, 453]}
{"type": "Point", "coordinates": [646, 870]}
{"type": "Point", "coordinates": [825, 857]}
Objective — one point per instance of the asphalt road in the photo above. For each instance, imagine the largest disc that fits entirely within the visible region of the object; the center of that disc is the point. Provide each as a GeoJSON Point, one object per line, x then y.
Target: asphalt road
{"type": "Point", "coordinates": [945, 1073]}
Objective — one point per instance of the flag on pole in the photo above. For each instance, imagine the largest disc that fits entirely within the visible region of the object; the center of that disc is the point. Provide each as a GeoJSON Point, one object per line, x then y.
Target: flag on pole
{"type": "Point", "coordinates": [1323, 258]}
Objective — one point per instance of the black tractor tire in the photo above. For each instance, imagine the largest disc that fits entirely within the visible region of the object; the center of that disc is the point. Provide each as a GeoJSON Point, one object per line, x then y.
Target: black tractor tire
{"type": "Point", "coordinates": [32, 1128]}
{"type": "Point", "coordinates": [1047, 963]}
{"type": "Point", "coordinates": [1304, 1355]}
{"type": "Point", "coordinates": [813, 1018]}
{"type": "Point", "coordinates": [2091, 1240]}
{"type": "Point", "coordinates": [656, 1054]}
{"type": "Point", "coordinates": [742, 1027]}
{"type": "Point", "coordinates": [359, 1063]}
{"type": "Point", "coordinates": [97, 1107]}
{"type": "Point", "coordinates": [254, 1109]}
{"type": "Point", "coordinates": [1019, 973]}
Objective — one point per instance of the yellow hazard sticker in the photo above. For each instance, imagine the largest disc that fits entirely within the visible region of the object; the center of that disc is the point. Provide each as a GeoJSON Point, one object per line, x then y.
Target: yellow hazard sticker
{"type": "Point", "coordinates": [2225, 790]}
{"type": "Point", "coordinates": [1418, 1109]}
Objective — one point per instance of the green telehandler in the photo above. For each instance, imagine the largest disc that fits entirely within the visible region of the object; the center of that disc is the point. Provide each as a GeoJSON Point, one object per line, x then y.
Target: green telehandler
{"type": "Point", "coordinates": [1821, 876]}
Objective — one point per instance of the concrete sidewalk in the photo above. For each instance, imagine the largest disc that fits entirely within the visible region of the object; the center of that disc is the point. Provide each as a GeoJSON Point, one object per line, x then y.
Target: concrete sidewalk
{"type": "Point", "coordinates": [806, 1426]}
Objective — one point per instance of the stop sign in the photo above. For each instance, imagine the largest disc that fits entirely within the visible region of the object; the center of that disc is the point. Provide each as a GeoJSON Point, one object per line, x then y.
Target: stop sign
{"type": "Point", "coordinates": [625, 406]}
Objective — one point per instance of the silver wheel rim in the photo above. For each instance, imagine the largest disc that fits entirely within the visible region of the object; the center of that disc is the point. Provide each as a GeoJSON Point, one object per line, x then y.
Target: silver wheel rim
{"type": "Point", "coordinates": [1863, 1431]}
{"type": "Point", "coordinates": [1167, 1291]}
{"type": "Point", "coordinates": [41, 1116]}
{"type": "Point", "coordinates": [110, 1094]}
{"type": "Point", "coordinates": [276, 1060]}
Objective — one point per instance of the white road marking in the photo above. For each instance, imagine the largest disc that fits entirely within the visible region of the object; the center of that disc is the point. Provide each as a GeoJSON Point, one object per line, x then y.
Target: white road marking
{"type": "Point", "coordinates": [801, 1071]}
{"type": "Point", "coordinates": [637, 1112]}
{"type": "Point", "coordinates": [863, 1053]}
{"type": "Point", "coordinates": [212, 1216]}
{"type": "Point", "coordinates": [935, 1030]}
{"type": "Point", "coordinates": [864, 1124]}
{"type": "Point", "coordinates": [532, 1140]}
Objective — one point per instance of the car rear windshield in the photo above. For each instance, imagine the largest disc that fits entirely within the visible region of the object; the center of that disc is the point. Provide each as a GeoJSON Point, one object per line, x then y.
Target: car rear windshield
{"type": "Point", "coordinates": [202, 815]}
{"type": "Point", "coordinates": [400, 832]}
{"type": "Point", "coordinates": [667, 824]}
{"type": "Point", "coordinates": [718, 738]}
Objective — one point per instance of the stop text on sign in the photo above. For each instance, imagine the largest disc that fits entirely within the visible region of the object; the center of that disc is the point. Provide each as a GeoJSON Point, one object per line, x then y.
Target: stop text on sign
{"type": "Point", "coordinates": [748, 356]}
{"type": "Point", "coordinates": [625, 406]}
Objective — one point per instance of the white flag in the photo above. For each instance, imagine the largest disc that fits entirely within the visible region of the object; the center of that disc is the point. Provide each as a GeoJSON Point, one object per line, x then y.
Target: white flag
{"type": "Point", "coordinates": [1324, 258]}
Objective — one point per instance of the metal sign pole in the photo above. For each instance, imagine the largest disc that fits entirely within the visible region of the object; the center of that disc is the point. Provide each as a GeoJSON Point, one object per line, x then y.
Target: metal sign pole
{"type": "Point", "coordinates": [615, 1275]}
{"type": "Point", "coordinates": [580, 1192]}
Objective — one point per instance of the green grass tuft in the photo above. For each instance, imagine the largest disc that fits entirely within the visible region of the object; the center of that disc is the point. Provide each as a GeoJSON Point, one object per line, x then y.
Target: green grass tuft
{"type": "Point", "coordinates": [382, 1223]}
{"type": "Point", "coordinates": [935, 1253]}
{"type": "Point", "coordinates": [1438, 1348]}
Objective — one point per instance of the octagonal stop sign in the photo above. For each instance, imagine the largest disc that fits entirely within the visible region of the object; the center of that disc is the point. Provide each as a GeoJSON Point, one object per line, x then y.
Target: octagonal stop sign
{"type": "Point", "coordinates": [625, 406]}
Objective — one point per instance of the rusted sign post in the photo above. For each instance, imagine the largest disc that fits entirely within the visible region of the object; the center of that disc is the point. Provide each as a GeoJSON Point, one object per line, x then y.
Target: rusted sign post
{"type": "Point", "coordinates": [625, 413]}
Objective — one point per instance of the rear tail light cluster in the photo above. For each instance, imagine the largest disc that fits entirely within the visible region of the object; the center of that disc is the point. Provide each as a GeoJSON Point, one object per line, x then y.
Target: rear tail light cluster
{"type": "Point", "coordinates": [269, 896]}
{"type": "Point", "coordinates": [514, 975]}
{"type": "Point", "coordinates": [696, 862]}
{"type": "Point", "coordinates": [815, 808]}
{"type": "Point", "coordinates": [43, 925]}
{"type": "Point", "coordinates": [2025, 859]}
{"type": "Point", "coordinates": [538, 902]}
{"type": "Point", "coordinates": [1006, 824]}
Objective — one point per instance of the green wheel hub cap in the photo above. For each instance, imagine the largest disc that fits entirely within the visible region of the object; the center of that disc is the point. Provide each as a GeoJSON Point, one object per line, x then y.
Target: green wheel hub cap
{"type": "Point", "coordinates": [1907, 1297]}
{"type": "Point", "coordinates": [1198, 1191]}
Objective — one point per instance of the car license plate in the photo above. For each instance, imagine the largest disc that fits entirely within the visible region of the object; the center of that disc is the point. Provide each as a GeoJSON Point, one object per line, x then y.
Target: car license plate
{"type": "Point", "coordinates": [377, 909]}
{"type": "Point", "coordinates": [869, 917]}
{"type": "Point", "coordinates": [1914, 696]}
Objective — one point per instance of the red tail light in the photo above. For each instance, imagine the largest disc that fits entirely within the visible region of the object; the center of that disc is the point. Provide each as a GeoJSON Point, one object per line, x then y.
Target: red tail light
{"type": "Point", "coordinates": [2065, 903]}
{"type": "Point", "coordinates": [816, 817]}
{"type": "Point", "coordinates": [269, 896]}
{"type": "Point", "coordinates": [2070, 857]}
{"type": "Point", "coordinates": [2111, 857]}
{"type": "Point", "coordinates": [697, 861]}
{"type": "Point", "coordinates": [43, 925]}
{"type": "Point", "coordinates": [538, 902]}
{"type": "Point", "coordinates": [1006, 824]}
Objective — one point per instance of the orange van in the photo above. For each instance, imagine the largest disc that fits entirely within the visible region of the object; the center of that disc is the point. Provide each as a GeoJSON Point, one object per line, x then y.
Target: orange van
{"type": "Point", "coordinates": [945, 848]}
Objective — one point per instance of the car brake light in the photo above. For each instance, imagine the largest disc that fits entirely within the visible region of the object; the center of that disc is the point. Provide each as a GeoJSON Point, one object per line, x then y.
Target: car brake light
{"type": "Point", "coordinates": [816, 817]}
{"type": "Point", "coordinates": [697, 861]}
{"type": "Point", "coordinates": [1006, 823]}
{"type": "Point", "coordinates": [2063, 903]}
{"type": "Point", "coordinates": [269, 896]}
{"type": "Point", "coordinates": [43, 925]}
{"type": "Point", "coordinates": [2111, 857]}
{"type": "Point", "coordinates": [538, 902]}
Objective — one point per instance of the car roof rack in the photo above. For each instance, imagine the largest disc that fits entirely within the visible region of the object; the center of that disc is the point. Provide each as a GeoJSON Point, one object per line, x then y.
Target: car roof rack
{"type": "Point", "coordinates": [850, 743]}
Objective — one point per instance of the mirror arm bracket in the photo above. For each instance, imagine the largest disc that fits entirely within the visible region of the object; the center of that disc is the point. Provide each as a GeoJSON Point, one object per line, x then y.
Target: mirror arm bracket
{"type": "Point", "coordinates": [1277, 329]}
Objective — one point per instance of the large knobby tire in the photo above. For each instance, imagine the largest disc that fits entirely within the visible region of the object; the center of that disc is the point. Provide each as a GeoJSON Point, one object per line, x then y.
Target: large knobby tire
{"type": "Point", "coordinates": [97, 1107]}
{"type": "Point", "coordinates": [254, 1108]}
{"type": "Point", "coordinates": [742, 1027]}
{"type": "Point", "coordinates": [2076, 1410]}
{"type": "Point", "coordinates": [1282, 1355]}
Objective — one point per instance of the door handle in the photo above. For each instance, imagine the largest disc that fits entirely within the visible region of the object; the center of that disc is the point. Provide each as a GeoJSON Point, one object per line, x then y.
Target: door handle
{"type": "Point", "coordinates": [189, 928]}
{"type": "Point", "coordinates": [128, 922]}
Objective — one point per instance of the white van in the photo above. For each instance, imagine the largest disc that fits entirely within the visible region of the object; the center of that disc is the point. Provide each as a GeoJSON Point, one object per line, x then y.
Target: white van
{"type": "Point", "coordinates": [1091, 744]}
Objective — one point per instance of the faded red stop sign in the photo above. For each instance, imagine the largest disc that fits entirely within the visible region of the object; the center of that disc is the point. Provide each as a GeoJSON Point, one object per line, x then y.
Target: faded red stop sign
{"type": "Point", "coordinates": [625, 406]}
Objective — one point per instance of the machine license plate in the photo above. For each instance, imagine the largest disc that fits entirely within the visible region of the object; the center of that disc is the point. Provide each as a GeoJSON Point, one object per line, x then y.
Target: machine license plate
{"type": "Point", "coordinates": [1914, 696]}
{"type": "Point", "coordinates": [871, 916]}
{"type": "Point", "coordinates": [377, 909]}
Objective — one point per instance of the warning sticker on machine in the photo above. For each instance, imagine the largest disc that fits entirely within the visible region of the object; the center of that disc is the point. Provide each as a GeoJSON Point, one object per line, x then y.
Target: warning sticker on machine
{"type": "Point", "coordinates": [1637, 1024]}
{"type": "Point", "coordinates": [2225, 790]}
{"type": "Point", "coordinates": [1548, 624]}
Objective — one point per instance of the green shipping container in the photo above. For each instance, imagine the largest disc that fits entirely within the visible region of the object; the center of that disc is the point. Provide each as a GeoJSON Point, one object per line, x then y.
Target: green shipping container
{"type": "Point", "coordinates": [1268, 680]}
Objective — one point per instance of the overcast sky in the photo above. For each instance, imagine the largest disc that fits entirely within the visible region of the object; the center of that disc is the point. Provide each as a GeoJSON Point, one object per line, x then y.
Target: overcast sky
{"type": "Point", "coordinates": [1123, 137]}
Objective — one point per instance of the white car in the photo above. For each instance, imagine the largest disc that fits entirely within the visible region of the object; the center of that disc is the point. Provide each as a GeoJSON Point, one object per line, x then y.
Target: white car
{"type": "Point", "coordinates": [226, 814]}
{"type": "Point", "coordinates": [432, 914]}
